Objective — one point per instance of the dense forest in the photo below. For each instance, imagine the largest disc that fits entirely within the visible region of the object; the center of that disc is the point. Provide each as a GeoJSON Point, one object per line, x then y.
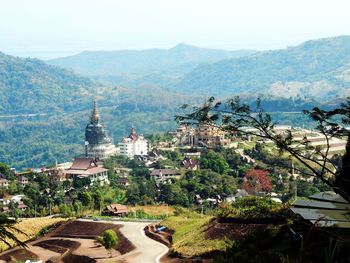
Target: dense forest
{"type": "Point", "coordinates": [31, 86]}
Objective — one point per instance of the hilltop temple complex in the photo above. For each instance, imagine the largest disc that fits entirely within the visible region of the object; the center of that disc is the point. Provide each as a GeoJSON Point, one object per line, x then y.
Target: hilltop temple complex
{"type": "Point", "coordinates": [205, 135]}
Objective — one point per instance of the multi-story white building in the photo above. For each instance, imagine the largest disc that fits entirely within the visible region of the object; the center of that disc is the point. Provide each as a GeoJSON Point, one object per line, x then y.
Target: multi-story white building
{"type": "Point", "coordinates": [133, 145]}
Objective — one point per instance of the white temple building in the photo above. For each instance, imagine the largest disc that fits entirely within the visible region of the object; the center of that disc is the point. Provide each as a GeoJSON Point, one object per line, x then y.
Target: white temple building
{"type": "Point", "coordinates": [133, 145]}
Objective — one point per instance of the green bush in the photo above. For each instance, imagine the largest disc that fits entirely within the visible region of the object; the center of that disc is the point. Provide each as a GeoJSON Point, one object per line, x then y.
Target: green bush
{"type": "Point", "coordinates": [252, 207]}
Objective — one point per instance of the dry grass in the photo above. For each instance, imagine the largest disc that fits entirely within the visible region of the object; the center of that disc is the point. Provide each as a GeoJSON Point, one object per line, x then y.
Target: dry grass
{"type": "Point", "coordinates": [31, 227]}
{"type": "Point", "coordinates": [155, 210]}
{"type": "Point", "coordinates": [189, 237]}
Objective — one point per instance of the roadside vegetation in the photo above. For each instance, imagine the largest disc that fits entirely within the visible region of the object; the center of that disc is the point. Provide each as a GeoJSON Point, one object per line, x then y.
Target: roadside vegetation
{"type": "Point", "coordinates": [154, 210]}
{"type": "Point", "coordinates": [189, 238]}
{"type": "Point", "coordinates": [30, 228]}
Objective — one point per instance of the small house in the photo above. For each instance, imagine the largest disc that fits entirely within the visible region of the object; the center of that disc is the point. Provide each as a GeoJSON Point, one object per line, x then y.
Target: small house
{"type": "Point", "coordinates": [116, 210]}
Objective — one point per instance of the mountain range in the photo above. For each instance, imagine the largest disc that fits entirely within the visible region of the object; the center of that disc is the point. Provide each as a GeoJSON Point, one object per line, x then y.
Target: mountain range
{"type": "Point", "coordinates": [146, 88]}
{"type": "Point", "coordinates": [314, 70]}
{"type": "Point", "coordinates": [174, 61]}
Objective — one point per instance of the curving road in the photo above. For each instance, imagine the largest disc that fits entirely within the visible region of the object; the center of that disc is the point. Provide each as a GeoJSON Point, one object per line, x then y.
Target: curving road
{"type": "Point", "coordinates": [147, 250]}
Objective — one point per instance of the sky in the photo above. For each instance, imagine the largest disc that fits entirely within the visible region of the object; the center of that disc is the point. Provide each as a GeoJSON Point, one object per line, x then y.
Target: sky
{"type": "Point", "coordinates": [53, 28]}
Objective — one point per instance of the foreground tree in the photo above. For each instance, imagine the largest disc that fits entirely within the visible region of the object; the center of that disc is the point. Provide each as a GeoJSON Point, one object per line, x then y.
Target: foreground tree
{"type": "Point", "coordinates": [109, 240]}
{"type": "Point", "coordinates": [7, 231]}
{"type": "Point", "coordinates": [236, 117]}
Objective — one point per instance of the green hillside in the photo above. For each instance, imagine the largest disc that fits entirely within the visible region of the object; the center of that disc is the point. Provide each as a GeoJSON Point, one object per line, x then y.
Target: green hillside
{"type": "Point", "coordinates": [316, 68]}
{"type": "Point", "coordinates": [32, 86]}
{"type": "Point", "coordinates": [44, 110]}
{"type": "Point", "coordinates": [315, 73]}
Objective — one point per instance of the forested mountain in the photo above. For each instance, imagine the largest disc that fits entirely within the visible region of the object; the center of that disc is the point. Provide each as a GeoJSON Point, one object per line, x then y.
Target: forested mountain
{"type": "Point", "coordinates": [64, 100]}
{"type": "Point", "coordinates": [316, 68]}
{"type": "Point", "coordinates": [174, 61]}
{"type": "Point", "coordinates": [312, 73]}
{"type": "Point", "coordinates": [32, 86]}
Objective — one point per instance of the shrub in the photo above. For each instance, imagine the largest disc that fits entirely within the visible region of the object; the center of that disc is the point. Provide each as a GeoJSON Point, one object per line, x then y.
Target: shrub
{"type": "Point", "coordinates": [252, 207]}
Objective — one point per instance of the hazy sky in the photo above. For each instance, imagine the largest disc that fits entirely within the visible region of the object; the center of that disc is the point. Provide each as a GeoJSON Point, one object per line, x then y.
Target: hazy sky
{"type": "Point", "coordinates": [63, 26]}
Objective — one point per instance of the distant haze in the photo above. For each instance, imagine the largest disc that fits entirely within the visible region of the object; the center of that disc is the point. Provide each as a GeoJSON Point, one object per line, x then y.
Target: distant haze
{"type": "Point", "coordinates": [58, 28]}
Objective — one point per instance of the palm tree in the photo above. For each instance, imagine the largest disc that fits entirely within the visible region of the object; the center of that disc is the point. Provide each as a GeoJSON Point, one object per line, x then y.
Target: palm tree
{"type": "Point", "coordinates": [7, 231]}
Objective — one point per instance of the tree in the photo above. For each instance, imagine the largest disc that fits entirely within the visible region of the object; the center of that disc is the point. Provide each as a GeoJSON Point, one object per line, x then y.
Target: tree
{"type": "Point", "coordinates": [215, 162]}
{"type": "Point", "coordinates": [133, 194]}
{"type": "Point", "coordinates": [85, 198]}
{"type": "Point", "coordinates": [13, 188]}
{"type": "Point", "coordinates": [6, 231]}
{"type": "Point", "coordinates": [15, 212]}
{"type": "Point", "coordinates": [141, 172]}
{"type": "Point", "coordinates": [43, 181]}
{"type": "Point", "coordinates": [172, 194]}
{"type": "Point", "coordinates": [343, 180]}
{"type": "Point", "coordinates": [234, 117]}
{"type": "Point", "coordinates": [4, 169]}
{"type": "Point", "coordinates": [81, 182]}
{"type": "Point", "coordinates": [256, 181]}
{"type": "Point", "coordinates": [98, 199]}
{"type": "Point", "coordinates": [109, 240]}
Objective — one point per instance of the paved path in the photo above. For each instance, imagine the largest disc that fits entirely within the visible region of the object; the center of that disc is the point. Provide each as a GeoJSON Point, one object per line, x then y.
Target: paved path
{"type": "Point", "coordinates": [147, 250]}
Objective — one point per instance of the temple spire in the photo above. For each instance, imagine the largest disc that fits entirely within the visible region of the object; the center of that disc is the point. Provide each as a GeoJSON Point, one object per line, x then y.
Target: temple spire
{"type": "Point", "coordinates": [95, 116]}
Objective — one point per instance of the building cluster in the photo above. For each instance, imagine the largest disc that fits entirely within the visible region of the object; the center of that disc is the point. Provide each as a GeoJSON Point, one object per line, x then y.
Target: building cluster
{"type": "Point", "coordinates": [205, 135]}
{"type": "Point", "coordinates": [99, 145]}
{"type": "Point", "coordinates": [12, 201]}
{"type": "Point", "coordinates": [21, 180]}
{"type": "Point", "coordinates": [89, 167]}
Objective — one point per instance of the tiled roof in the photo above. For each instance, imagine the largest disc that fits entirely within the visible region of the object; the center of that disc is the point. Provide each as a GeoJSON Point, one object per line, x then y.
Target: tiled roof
{"type": "Point", "coordinates": [133, 135]}
{"type": "Point", "coordinates": [83, 164]}
{"type": "Point", "coordinates": [94, 170]}
{"type": "Point", "coordinates": [117, 208]}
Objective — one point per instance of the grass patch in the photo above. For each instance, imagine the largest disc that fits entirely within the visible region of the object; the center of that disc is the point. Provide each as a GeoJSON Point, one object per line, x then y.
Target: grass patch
{"type": "Point", "coordinates": [32, 227]}
{"type": "Point", "coordinates": [155, 210]}
{"type": "Point", "coordinates": [189, 237]}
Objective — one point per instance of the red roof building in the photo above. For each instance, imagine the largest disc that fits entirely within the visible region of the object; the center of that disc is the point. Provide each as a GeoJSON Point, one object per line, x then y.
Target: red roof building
{"type": "Point", "coordinates": [116, 210]}
{"type": "Point", "coordinates": [88, 168]}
